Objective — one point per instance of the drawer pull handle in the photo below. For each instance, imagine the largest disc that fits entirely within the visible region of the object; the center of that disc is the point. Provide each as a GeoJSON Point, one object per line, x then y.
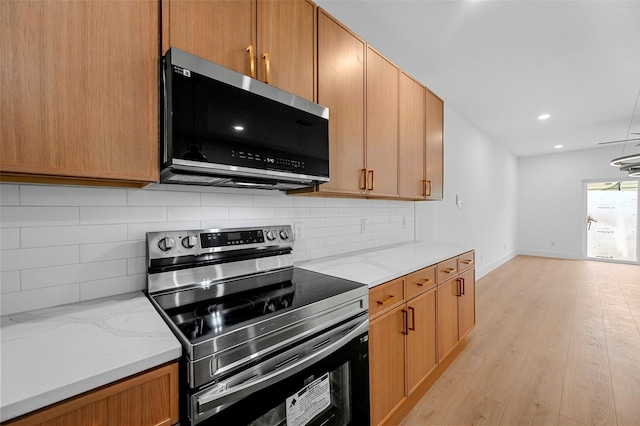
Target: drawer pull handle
{"type": "Point", "coordinates": [423, 282]}
{"type": "Point", "coordinates": [387, 300]}
{"type": "Point", "coordinates": [468, 262]}
{"type": "Point", "coordinates": [448, 270]}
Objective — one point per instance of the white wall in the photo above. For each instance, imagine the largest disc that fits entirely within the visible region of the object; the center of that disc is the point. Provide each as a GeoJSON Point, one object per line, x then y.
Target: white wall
{"type": "Point", "coordinates": [483, 175]}
{"type": "Point", "coordinates": [551, 216]}
{"type": "Point", "coordinates": [64, 244]}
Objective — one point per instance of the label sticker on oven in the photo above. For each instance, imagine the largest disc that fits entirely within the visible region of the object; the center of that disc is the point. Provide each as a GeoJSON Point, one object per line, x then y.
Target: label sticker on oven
{"type": "Point", "coordinates": [309, 401]}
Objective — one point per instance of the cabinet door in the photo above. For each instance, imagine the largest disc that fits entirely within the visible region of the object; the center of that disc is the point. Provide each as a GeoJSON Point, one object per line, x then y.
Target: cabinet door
{"type": "Point", "coordinates": [286, 32]}
{"type": "Point", "coordinates": [421, 340]}
{"type": "Point", "coordinates": [80, 89]}
{"type": "Point", "coordinates": [467, 302]}
{"type": "Point", "coordinates": [382, 126]}
{"type": "Point", "coordinates": [434, 146]}
{"type": "Point", "coordinates": [412, 138]}
{"type": "Point", "coordinates": [447, 317]}
{"type": "Point", "coordinates": [341, 57]}
{"type": "Point", "coordinates": [386, 363]}
{"type": "Point", "coordinates": [219, 31]}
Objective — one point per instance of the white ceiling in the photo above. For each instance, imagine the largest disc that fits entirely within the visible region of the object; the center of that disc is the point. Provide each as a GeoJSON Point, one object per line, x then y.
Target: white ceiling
{"type": "Point", "coordinates": [500, 64]}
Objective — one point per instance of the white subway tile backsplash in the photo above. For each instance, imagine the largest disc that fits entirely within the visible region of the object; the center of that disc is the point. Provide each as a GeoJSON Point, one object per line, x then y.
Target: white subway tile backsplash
{"type": "Point", "coordinates": [109, 215]}
{"type": "Point", "coordinates": [110, 251]}
{"type": "Point", "coordinates": [241, 213]}
{"type": "Point", "coordinates": [9, 238]}
{"type": "Point", "coordinates": [9, 281]}
{"type": "Point", "coordinates": [226, 200]}
{"type": "Point", "coordinates": [50, 195]}
{"type": "Point", "coordinates": [184, 214]}
{"type": "Point", "coordinates": [20, 259]}
{"type": "Point", "coordinates": [112, 286]}
{"type": "Point", "coordinates": [66, 235]}
{"type": "Point", "coordinates": [62, 244]}
{"type": "Point", "coordinates": [9, 195]}
{"type": "Point", "coordinates": [14, 217]}
{"type": "Point", "coordinates": [59, 275]}
{"type": "Point", "coordinates": [139, 198]}
{"type": "Point", "coordinates": [137, 265]}
{"type": "Point", "coordinates": [28, 300]}
{"type": "Point", "coordinates": [272, 201]}
{"type": "Point", "coordinates": [309, 201]}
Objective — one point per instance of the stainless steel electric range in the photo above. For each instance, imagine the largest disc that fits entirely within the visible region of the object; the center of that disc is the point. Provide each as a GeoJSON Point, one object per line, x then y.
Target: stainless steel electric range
{"type": "Point", "coordinates": [264, 342]}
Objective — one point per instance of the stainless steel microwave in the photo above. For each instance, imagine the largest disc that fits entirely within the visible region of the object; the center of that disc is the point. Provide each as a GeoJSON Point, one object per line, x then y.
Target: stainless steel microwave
{"type": "Point", "coordinates": [223, 128]}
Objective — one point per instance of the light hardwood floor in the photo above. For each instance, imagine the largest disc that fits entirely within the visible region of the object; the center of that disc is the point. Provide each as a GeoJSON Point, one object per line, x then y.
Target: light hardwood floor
{"type": "Point", "coordinates": [556, 342]}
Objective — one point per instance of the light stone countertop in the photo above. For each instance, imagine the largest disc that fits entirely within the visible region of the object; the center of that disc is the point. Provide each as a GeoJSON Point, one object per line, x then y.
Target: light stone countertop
{"type": "Point", "coordinates": [51, 354]}
{"type": "Point", "coordinates": [377, 266]}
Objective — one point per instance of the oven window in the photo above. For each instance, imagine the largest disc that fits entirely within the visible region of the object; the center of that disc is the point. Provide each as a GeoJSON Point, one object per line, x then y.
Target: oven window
{"type": "Point", "coordinates": [324, 401]}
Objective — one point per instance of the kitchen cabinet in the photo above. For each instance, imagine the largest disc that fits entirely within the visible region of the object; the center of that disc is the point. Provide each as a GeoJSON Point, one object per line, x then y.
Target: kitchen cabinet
{"type": "Point", "coordinates": [456, 301]}
{"type": "Point", "coordinates": [402, 339]}
{"type": "Point", "coordinates": [434, 147]}
{"type": "Point", "coordinates": [341, 88]}
{"type": "Point", "coordinates": [381, 170]}
{"type": "Point", "coordinates": [149, 398]}
{"type": "Point", "coordinates": [412, 138]}
{"type": "Point", "coordinates": [80, 92]}
{"type": "Point", "coordinates": [271, 40]}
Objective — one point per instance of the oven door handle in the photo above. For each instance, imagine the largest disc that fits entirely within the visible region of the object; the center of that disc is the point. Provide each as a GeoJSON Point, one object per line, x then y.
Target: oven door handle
{"type": "Point", "coordinates": [216, 398]}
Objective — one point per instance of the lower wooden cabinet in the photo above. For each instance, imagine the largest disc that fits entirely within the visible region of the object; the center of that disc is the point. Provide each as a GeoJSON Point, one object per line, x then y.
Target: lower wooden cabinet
{"type": "Point", "coordinates": [416, 324]}
{"type": "Point", "coordinates": [149, 398]}
{"type": "Point", "coordinates": [387, 363]}
{"type": "Point", "coordinates": [402, 341]}
{"type": "Point", "coordinates": [456, 304]}
{"type": "Point", "coordinates": [421, 338]}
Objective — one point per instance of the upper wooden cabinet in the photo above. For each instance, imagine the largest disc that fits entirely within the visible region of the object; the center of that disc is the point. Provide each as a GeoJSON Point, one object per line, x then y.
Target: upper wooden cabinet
{"type": "Point", "coordinates": [412, 138]}
{"type": "Point", "coordinates": [382, 126]}
{"type": "Point", "coordinates": [341, 88]}
{"type": "Point", "coordinates": [79, 92]}
{"type": "Point", "coordinates": [271, 40]}
{"type": "Point", "coordinates": [434, 166]}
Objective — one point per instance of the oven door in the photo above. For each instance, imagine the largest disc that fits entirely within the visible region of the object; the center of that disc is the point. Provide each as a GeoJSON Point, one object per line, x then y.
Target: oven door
{"type": "Point", "coordinates": [322, 381]}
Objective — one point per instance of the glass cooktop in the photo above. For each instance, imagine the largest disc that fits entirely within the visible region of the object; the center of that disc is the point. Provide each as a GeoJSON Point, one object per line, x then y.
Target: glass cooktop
{"type": "Point", "coordinates": [215, 316]}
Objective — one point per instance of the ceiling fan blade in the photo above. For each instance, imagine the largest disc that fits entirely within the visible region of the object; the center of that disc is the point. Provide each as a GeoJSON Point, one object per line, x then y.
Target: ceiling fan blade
{"type": "Point", "coordinates": [620, 141]}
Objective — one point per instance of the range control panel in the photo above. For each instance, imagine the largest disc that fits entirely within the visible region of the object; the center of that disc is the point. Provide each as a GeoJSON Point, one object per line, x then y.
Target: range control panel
{"type": "Point", "coordinates": [192, 243]}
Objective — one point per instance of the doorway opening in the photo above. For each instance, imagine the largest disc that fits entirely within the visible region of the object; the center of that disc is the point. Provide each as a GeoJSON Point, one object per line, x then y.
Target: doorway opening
{"type": "Point", "coordinates": [612, 220]}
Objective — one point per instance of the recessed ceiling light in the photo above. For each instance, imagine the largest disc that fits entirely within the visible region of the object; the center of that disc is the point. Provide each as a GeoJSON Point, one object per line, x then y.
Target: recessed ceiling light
{"type": "Point", "coordinates": [543, 116]}
{"type": "Point", "coordinates": [238, 128]}
{"type": "Point", "coordinates": [558, 146]}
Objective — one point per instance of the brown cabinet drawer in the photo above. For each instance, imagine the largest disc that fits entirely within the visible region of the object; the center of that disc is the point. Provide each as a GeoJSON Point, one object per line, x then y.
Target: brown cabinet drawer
{"type": "Point", "coordinates": [447, 269]}
{"type": "Point", "coordinates": [466, 261]}
{"type": "Point", "coordinates": [420, 281]}
{"type": "Point", "coordinates": [386, 296]}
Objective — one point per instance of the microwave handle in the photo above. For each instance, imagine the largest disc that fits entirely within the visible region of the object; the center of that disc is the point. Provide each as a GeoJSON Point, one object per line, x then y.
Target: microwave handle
{"type": "Point", "coordinates": [215, 398]}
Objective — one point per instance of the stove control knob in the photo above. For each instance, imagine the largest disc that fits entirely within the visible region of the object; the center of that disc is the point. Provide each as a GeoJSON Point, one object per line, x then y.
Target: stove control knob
{"type": "Point", "coordinates": [284, 234]}
{"type": "Point", "coordinates": [189, 242]}
{"type": "Point", "coordinates": [271, 235]}
{"type": "Point", "coordinates": [166, 244]}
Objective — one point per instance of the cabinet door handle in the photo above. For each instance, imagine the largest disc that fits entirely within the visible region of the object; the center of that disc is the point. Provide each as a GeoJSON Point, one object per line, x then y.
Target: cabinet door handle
{"type": "Point", "coordinates": [462, 279]}
{"type": "Point", "coordinates": [424, 188]}
{"type": "Point", "coordinates": [387, 300]}
{"type": "Point", "coordinates": [363, 176]}
{"type": "Point", "coordinates": [373, 180]}
{"type": "Point", "coordinates": [459, 287]}
{"type": "Point", "coordinates": [428, 193]}
{"type": "Point", "coordinates": [449, 270]}
{"type": "Point", "coordinates": [252, 61]}
{"type": "Point", "coordinates": [423, 282]}
{"type": "Point", "coordinates": [413, 320]}
{"type": "Point", "coordinates": [267, 70]}
{"type": "Point", "coordinates": [405, 324]}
